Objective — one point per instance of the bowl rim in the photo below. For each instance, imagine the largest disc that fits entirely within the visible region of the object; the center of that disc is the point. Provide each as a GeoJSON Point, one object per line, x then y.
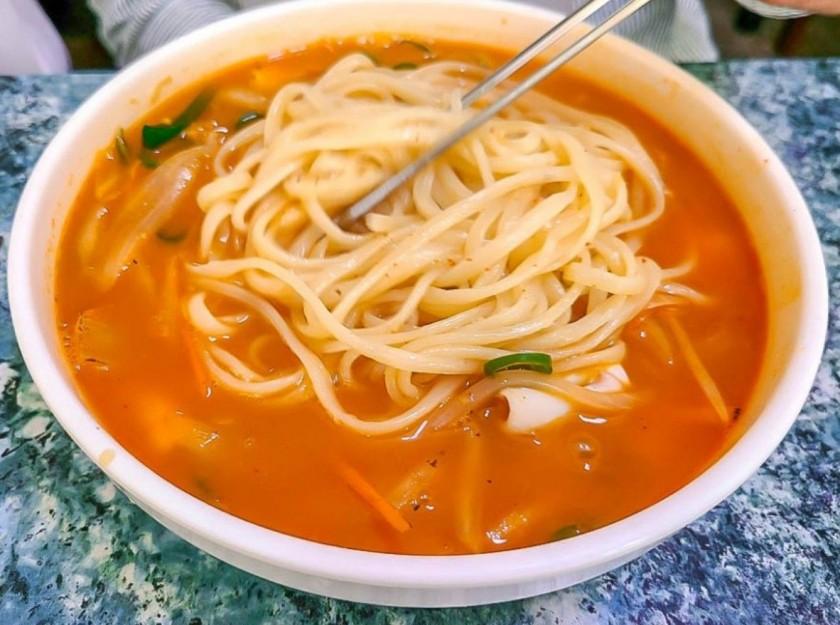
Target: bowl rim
{"type": "Point", "coordinates": [613, 542]}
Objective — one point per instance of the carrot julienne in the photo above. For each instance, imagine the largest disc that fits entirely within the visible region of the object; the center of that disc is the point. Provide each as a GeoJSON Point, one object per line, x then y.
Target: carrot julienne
{"type": "Point", "coordinates": [194, 357]}
{"type": "Point", "coordinates": [371, 496]}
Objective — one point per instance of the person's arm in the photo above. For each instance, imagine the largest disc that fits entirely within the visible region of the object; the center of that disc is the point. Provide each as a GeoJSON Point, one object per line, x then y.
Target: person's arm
{"type": "Point", "coordinates": [130, 28]}
{"type": "Point", "coordinates": [784, 9]}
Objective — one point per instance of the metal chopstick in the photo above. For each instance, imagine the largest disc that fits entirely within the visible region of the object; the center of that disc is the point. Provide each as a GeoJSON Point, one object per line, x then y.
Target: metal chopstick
{"type": "Point", "coordinates": [545, 40]}
{"type": "Point", "coordinates": [380, 193]}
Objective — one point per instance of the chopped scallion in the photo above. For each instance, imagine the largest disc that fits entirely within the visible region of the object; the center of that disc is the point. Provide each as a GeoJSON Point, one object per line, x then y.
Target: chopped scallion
{"type": "Point", "coordinates": [534, 361]}
{"type": "Point", "coordinates": [374, 59]}
{"type": "Point", "coordinates": [400, 66]}
{"type": "Point", "coordinates": [156, 135]}
{"type": "Point", "coordinates": [247, 118]}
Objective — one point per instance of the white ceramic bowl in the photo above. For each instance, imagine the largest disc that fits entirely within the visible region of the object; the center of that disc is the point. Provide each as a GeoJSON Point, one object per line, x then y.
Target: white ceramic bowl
{"type": "Point", "coordinates": [764, 192]}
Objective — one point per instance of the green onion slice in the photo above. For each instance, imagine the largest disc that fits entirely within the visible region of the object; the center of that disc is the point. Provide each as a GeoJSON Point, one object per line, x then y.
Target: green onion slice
{"type": "Point", "coordinates": [399, 66]}
{"type": "Point", "coordinates": [156, 135]}
{"type": "Point", "coordinates": [121, 145]}
{"type": "Point", "coordinates": [533, 361]}
{"type": "Point", "coordinates": [247, 118]}
{"type": "Point", "coordinates": [374, 59]}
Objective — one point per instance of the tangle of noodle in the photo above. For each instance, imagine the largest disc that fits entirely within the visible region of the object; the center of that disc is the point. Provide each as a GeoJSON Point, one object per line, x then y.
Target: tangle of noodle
{"type": "Point", "coordinates": [521, 238]}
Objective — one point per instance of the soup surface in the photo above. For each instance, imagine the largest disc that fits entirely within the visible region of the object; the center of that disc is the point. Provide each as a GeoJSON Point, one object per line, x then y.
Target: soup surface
{"type": "Point", "coordinates": [470, 488]}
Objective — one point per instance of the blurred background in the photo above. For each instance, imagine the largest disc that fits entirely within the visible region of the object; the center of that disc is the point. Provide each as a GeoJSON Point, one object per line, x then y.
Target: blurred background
{"type": "Point", "coordinates": [739, 33]}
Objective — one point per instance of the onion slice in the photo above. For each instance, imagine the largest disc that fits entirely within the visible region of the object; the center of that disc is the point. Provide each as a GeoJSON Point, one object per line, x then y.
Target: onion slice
{"type": "Point", "coordinates": [149, 208]}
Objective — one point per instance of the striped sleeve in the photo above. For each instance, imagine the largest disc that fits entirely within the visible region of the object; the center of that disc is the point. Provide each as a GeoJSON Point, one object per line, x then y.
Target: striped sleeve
{"type": "Point", "coordinates": [130, 28]}
{"type": "Point", "coordinates": [676, 29]}
{"type": "Point", "coordinates": [769, 10]}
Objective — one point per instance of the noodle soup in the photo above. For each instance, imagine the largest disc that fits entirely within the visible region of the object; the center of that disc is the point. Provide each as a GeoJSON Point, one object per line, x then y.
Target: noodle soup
{"type": "Point", "coordinates": [553, 327]}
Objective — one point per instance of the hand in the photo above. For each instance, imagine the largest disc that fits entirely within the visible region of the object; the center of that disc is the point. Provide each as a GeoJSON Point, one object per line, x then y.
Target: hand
{"type": "Point", "coordinates": [822, 7]}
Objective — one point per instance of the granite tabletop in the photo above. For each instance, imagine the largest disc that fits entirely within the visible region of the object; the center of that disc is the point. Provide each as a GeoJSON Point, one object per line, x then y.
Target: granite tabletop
{"type": "Point", "coordinates": [74, 550]}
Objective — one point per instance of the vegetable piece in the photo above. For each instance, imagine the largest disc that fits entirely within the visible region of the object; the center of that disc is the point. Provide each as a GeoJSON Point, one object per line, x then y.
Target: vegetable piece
{"type": "Point", "coordinates": [156, 135]}
{"type": "Point", "coordinates": [371, 496]}
{"type": "Point", "coordinates": [411, 486]}
{"type": "Point", "coordinates": [203, 486]}
{"type": "Point", "coordinates": [658, 340]}
{"type": "Point", "coordinates": [243, 98]}
{"type": "Point", "coordinates": [509, 525]}
{"type": "Point", "coordinates": [420, 46]}
{"type": "Point", "coordinates": [372, 57]}
{"type": "Point", "coordinates": [154, 202]}
{"type": "Point", "coordinates": [161, 427]}
{"type": "Point", "coordinates": [171, 238]}
{"type": "Point", "coordinates": [88, 236]}
{"type": "Point", "coordinates": [482, 60]}
{"type": "Point", "coordinates": [247, 118]}
{"type": "Point", "coordinates": [468, 510]}
{"type": "Point", "coordinates": [267, 78]}
{"type": "Point", "coordinates": [111, 186]}
{"type": "Point", "coordinates": [698, 369]}
{"type": "Point", "coordinates": [92, 343]}
{"type": "Point", "coordinates": [141, 277]}
{"type": "Point", "coordinates": [401, 66]}
{"type": "Point", "coordinates": [167, 322]}
{"type": "Point", "coordinates": [567, 531]}
{"type": "Point", "coordinates": [196, 364]}
{"type": "Point", "coordinates": [167, 428]}
{"type": "Point", "coordinates": [533, 361]}
{"type": "Point", "coordinates": [121, 145]}
{"type": "Point", "coordinates": [148, 161]}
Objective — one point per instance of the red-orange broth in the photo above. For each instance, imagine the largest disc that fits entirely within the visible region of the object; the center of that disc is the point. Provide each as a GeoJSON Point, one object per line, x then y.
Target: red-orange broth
{"type": "Point", "coordinates": [275, 465]}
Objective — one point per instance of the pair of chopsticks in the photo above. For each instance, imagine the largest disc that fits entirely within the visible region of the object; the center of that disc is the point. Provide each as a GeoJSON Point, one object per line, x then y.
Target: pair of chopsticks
{"type": "Point", "coordinates": [563, 27]}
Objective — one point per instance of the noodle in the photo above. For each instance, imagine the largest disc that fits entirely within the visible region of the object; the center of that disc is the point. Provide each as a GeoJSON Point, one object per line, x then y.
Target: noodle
{"type": "Point", "coordinates": [490, 251]}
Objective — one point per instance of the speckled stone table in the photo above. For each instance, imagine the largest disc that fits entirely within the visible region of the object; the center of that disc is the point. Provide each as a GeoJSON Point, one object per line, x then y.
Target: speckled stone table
{"type": "Point", "coordinates": [74, 550]}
